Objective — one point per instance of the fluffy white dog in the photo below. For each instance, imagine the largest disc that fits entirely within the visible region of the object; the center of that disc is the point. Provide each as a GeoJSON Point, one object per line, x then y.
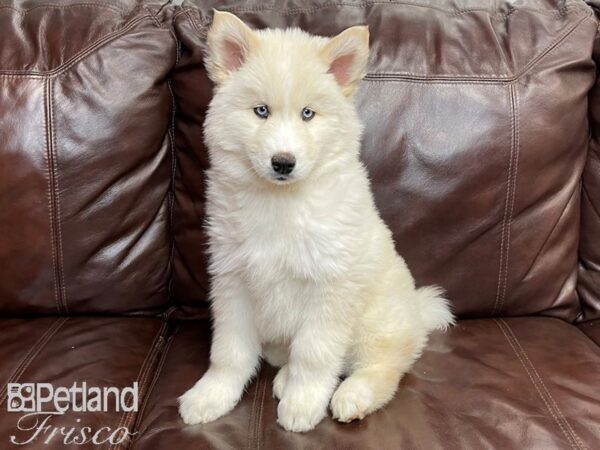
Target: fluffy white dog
{"type": "Point", "coordinates": [304, 271]}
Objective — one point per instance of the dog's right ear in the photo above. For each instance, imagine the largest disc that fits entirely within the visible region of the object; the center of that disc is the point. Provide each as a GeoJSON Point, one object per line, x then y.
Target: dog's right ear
{"type": "Point", "coordinates": [229, 43]}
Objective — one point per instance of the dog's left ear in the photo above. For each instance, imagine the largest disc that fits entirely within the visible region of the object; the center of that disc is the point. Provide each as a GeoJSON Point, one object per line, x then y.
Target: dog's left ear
{"type": "Point", "coordinates": [347, 55]}
{"type": "Point", "coordinates": [229, 42]}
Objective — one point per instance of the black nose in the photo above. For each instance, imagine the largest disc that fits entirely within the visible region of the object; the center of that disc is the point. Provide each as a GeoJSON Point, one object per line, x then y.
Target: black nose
{"type": "Point", "coordinates": [283, 163]}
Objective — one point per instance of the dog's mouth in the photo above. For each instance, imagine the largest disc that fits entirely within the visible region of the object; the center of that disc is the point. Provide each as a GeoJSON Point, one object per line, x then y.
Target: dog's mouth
{"type": "Point", "coordinates": [282, 179]}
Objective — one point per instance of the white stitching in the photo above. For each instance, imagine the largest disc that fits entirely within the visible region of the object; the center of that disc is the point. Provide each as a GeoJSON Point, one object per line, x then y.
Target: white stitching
{"type": "Point", "coordinates": [32, 353]}
{"type": "Point", "coordinates": [501, 324]}
{"type": "Point", "coordinates": [49, 176]}
{"type": "Point", "coordinates": [500, 292]}
{"type": "Point", "coordinates": [141, 377]}
{"type": "Point", "coordinates": [515, 100]}
{"type": "Point", "coordinates": [78, 57]}
{"type": "Point", "coordinates": [543, 385]}
{"type": "Point", "coordinates": [57, 215]}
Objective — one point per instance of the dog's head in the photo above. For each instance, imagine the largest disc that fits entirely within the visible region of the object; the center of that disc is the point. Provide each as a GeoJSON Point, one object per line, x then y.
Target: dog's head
{"type": "Point", "coordinates": [282, 108]}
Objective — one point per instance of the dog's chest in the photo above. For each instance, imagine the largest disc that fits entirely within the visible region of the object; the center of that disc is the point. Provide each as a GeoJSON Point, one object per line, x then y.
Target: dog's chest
{"type": "Point", "coordinates": [287, 252]}
{"type": "Point", "coordinates": [287, 259]}
{"type": "Point", "coordinates": [278, 246]}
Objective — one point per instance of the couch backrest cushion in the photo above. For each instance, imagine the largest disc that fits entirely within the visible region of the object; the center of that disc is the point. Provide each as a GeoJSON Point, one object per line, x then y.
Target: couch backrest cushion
{"type": "Point", "coordinates": [476, 138]}
{"type": "Point", "coordinates": [85, 158]}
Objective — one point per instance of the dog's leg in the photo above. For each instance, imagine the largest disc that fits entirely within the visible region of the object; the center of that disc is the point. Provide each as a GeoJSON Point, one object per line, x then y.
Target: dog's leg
{"type": "Point", "coordinates": [381, 362]}
{"type": "Point", "coordinates": [306, 383]}
{"type": "Point", "coordinates": [234, 355]}
{"type": "Point", "coordinates": [277, 355]}
{"type": "Point", "coordinates": [280, 381]}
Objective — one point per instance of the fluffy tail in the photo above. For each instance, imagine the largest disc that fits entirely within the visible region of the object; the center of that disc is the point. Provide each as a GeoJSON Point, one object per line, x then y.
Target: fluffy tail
{"type": "Point", "coordinates": [435, 309]}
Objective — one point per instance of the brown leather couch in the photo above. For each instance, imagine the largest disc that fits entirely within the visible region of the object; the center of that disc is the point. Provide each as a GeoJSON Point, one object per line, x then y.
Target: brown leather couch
{"type": "Point", "coordinates": [482, 120]}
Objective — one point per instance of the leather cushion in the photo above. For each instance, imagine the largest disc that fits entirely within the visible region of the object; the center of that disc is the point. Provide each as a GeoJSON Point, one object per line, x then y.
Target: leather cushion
{"type": "Point", "coordinates": [103, 352]}
{"type": "Point", "coordinates": [514, 383]}
{"type": "Point", "coordinates": [85, 158]}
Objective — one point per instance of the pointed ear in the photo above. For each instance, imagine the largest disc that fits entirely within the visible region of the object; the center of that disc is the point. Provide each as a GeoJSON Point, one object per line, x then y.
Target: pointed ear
{"type": "Point", "coordinates": [347, 55]}
{"type": "Point", "coordinates": [229, 42]}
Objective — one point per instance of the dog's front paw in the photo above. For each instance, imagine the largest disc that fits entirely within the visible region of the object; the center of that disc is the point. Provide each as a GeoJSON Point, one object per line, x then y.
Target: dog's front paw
{"type": "Point", "coordinates": [351, 401]}
{"type": "Point", "coordinates": [300, 411]}
{"type": "Point", "coordinates": [207, 401]}
{"type": "Point", "coordinates": [280, 381]}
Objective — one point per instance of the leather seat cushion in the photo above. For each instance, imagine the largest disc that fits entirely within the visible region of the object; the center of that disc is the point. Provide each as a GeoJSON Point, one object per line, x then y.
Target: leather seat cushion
{"type": "Point", "coordinates": [103, 352]}
{"type": "Point", "coordinates": [508, 383]}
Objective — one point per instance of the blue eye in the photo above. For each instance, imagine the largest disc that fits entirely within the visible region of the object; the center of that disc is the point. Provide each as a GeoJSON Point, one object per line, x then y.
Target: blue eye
{"type": "Point", "coordinates": [262, 111]}
{"type": "Point", "coordinates": [307, 114]}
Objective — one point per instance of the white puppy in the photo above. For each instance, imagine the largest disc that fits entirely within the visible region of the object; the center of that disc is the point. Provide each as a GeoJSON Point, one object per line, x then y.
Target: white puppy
{"type": "Point", "coordinates": [304, 271]}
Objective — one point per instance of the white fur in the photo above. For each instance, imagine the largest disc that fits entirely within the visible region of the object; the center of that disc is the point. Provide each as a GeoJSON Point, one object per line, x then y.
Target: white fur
{"type": "Point", "coordinates": [304, 271]}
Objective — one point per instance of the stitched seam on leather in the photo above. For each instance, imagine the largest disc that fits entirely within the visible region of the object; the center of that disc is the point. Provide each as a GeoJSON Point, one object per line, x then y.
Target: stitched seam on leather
{"type": "Point", "coordinates": [516, 141]}
{"type": "Point", "coordinates": [251, 426]}
{"type": "Point", "coordinates": [57, 215]}
{"type": "Point", "coordinates": [570, 440]}
{"type": "Point", "coordinates": [449, 82]}
{"type": "Point", "coordinates": [506, 218]}
{"type": "Point", "coordinates": [199, 30]}
{"type": "Point", "coordinates": [506, 199]}
{"type": "Point", "coordinates": [552, 47]}
{"type": "Point", "coordinates": [152, 385]}
{"type": "Point", "coordinates": [158, 345]}
{"type": "Point", "coordinates": [571, 431]}
{"type": "Point", "coordinates": [78, 57]}
{"type": "Point", "coordinates": [141, 378]}
{"type": "Point", "coordinates": [31, 354]}
{"type": "Point", "coordinates": [171, 134]}
{"type": "Point", "coordinates": [24, 11]}
{"type": "Point", "coordinates": [50, 193]}
{"type": "Point", "coordinates": [452, 12]}
{"type": "Point", "coordinates": [153, 15]}
{"type": "Point", "coordinates": [181, 12]}
{"type": "Point", "coordinates": [469, 79]}
{"type": "Point", "coordinates": [257, 434]}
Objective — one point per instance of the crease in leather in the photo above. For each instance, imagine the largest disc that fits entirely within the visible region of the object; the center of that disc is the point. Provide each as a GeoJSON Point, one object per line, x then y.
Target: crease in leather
{"type": "Point", "coordinates": [556, 223]}
{"type": "Point", "coordinates": [591, 201]}
{"type": "Point", "coordinates": [150, 362]}
{"type": "Point", "coordinates": [499, 48]}
{"type": "Point", "coordinates": [539, 385]}
{"type": "Point", "coordinates": [511, 186]}
{"type": "Point", "coordinates": [33, 352]}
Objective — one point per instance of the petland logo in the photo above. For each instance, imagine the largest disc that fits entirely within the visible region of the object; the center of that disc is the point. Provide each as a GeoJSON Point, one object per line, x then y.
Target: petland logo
{"type": "Point", "coordinates": [42, 402]}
